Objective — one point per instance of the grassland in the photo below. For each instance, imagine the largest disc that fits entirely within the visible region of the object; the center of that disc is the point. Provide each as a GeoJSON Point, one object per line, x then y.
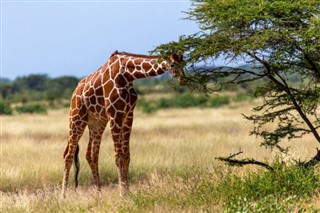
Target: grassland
{"type": "Point", "coordinates": [173, 166]}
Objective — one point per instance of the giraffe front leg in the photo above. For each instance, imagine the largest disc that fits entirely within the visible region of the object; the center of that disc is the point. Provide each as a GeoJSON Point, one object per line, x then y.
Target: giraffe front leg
{"type": "Point", "coordinates": [93, 162]}
{"type": "Point", "coordinates": [116, 127]}
{"type": "Point", "coordinates": [92, 155]}
{"type": "Point", "coordinates": [126, 132]}
{"type": "Point", "coordinates": [95, 134]}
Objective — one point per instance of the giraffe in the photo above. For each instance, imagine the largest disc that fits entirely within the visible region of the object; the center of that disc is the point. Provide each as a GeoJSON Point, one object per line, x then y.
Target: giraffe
{"type": "Point", "coordinates": [107, 95]}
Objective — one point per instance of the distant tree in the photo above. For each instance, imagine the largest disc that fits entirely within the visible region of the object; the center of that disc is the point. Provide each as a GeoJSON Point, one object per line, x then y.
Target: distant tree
{"type": "Point", "coordinates": [5, 90]}
{"type": "Point", "coordinates": [5, 108]}
{"type": "Point", "coordinates": [31, 82]}
{"type": "Point", "coordinates": [4, 80]}
{"type": "Point", "coordinates": [61, 87]}
{"type": "Point", "coordinates": [37, 87]}
{"type": "Point", "coordinates": [281, 38]}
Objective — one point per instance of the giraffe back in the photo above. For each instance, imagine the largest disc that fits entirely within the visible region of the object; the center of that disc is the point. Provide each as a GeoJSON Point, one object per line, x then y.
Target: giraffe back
{"type": "Point", "coordinates": [105, 93]}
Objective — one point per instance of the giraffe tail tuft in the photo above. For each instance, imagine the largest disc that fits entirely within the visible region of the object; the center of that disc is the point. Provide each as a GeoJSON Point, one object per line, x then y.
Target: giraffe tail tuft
{"type": "Point", "coordinates": [76, 166]}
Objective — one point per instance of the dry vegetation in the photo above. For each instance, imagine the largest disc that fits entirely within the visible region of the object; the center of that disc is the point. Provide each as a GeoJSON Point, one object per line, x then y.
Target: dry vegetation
{"type": "Point", "coordinates": [167, 149]}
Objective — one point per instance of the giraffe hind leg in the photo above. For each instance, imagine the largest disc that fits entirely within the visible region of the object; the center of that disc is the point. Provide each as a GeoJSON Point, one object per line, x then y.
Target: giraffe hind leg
{"type": "Point", "coordinates": [75, 132]}
{"type": "Point", "coordinates": [76, 166]}
{"type": "Point", "coordinates": [96, 129]}
{"type": "Point", "coordinates": [76, 163]}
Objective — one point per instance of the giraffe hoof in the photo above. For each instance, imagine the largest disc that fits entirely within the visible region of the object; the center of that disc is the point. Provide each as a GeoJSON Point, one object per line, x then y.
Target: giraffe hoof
{"type": "Point", "coordinates": [124, 191]}
{"type": "Point", "coordinates": [62, 196]}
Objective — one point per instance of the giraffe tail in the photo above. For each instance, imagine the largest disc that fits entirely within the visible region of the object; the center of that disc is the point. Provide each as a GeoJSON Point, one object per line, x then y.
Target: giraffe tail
{"type": "Point", "coordinates": [76, 166]}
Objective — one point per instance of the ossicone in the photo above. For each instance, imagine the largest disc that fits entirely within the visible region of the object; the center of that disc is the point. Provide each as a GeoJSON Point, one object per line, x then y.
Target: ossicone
{"type": "Point", "coordinates": [114, 53]}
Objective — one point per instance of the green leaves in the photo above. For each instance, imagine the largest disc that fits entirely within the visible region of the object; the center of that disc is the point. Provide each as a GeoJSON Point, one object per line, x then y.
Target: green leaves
{"type": "Point", "coordinates": [280, 38]}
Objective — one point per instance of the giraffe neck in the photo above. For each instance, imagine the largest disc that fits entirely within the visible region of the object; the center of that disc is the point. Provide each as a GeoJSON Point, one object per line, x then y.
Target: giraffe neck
{"type": "Point", "coordinates": [139, 66]}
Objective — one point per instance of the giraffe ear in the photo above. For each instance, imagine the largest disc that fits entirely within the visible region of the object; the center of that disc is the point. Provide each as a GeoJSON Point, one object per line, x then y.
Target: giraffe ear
{"type": "Point", "coordinates": [176, 57]}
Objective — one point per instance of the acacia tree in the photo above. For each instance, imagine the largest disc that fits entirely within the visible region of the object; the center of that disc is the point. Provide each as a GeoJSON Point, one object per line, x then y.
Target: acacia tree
{"type": "Point", "coordinates": [281, 39]}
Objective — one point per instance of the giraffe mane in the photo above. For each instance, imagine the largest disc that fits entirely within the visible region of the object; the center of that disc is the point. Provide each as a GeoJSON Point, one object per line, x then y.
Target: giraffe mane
{"type": "Point", "coordinates": [134, 55]}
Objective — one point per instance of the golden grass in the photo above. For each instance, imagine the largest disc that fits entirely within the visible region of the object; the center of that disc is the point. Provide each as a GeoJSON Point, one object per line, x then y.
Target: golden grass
{"type": "Point", "coordinates": [32, 147]}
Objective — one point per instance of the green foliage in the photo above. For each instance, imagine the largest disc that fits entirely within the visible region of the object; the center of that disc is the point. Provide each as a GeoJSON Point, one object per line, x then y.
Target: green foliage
{"type": "Point", "coordinates": [183, 101]}
{"type": "Point", "coordinates": [32, 108]}
{"type": "Point", "coordinates": [286, 189]}
{"type": "Point", "coordinates": [153, 85]}
{"type": "Point", "coordinates": [264, 204]}
{"type": "Point", "coordinates": [256, 192]}
{"type": "Point", "coordinates": [280, 39]}
{"type": "Point", "coordinates": [241, 97]}
{"type": "Point", "coordinates": [38, 88]}
{"type": "Point", "coordinates": [146, 106]}
{"type": "Point", "coordinates": [61, 87]}
{"type": "Point", "coordinates": [31, 82]}
{"type": "Point", "coordinates": [284, 181]}
{"type": "Point", "coordinates": [218, 101]}
{"type": "Point", "coordinates": [5, 108]}
{"type": "Point", "coordinates": [5, 89]}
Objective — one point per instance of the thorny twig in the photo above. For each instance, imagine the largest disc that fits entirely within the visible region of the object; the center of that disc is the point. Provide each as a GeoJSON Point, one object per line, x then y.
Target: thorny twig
{"type": "Point", "coordinates": [230, 159]}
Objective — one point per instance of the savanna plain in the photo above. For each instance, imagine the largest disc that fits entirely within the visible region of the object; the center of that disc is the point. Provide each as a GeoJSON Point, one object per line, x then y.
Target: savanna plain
{"type": "Point", "coordinates": [173, 166]}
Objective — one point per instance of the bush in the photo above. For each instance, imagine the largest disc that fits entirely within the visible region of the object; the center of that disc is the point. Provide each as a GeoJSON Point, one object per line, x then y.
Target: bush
{"type": "Point", "coordinates": [241, 97]}
{"type": "Point", "coordinates": [183, 101]}
{"type": "Point", "coordinates": [146, 107]}
{"type": "Point", "coordinates": [32, 108]}
{"type": "Point", "coordinates": [286, 189]}
{"type": "Point", "coordinates": [188, 100]}
{"type": "Point", "coordinates": [218, 101]}
{"type": "Point", "coordinates": [256, 192]}
{"type": "Point", "coordinates": [5, 108]}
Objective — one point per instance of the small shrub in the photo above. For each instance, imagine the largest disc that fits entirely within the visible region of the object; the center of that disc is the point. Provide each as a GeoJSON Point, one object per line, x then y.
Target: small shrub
{"type": "Point", "coordinates": [32, 108]}
{"type": "Point", "coordinates": [183, 101]}
{"type": "Point", "coordinates": [287, 184]}
{"type": "Point", "coordinates": [146, 107]}
{"type": "Point", "coordinates": [5, 108]}
{"type": "Point", "coordinates": [188, 100]}
{"type": "Point", "coordinates": [241, 97]}
{"type": "Point", "coordinates": [218, 101]}
{"type": "Point", "coordinates": [286, 189]}
{"type": "Point", "coordinates": [264, 204]}
{"type": "Point", "coordinates": [164, 103]}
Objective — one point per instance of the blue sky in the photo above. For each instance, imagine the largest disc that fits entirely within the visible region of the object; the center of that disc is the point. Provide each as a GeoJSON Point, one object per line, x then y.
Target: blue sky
{"type": "Point", "coordinates": [76, 37]}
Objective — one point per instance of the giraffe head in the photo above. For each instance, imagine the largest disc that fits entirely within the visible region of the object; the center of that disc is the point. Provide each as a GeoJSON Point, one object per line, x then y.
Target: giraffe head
{"type": "Point", "coordinates": [176, 67]}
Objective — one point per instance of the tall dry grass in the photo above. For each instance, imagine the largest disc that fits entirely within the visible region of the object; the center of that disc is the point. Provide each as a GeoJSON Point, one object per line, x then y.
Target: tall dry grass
{"type": "Point", "coordinates": [166, 142]}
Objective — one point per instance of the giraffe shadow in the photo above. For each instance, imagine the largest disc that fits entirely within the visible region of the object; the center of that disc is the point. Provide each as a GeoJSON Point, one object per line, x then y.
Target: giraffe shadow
{"type": "Point", "coordinates": [111, 179]}
{"type": "Point", "coordinates": [134, 178]}
{"type": "Point", "coordinates": [108, 178]}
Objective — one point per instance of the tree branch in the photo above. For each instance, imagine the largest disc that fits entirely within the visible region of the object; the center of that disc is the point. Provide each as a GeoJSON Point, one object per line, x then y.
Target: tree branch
{"type": "Point", "coordinates": [307, 57]}
{"type": "Point", "coordinates": [315, 160]}
{"type": "Point", "coordinates": [243, 162]}
{"type": "Point", "coordinates": [283, 85]}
